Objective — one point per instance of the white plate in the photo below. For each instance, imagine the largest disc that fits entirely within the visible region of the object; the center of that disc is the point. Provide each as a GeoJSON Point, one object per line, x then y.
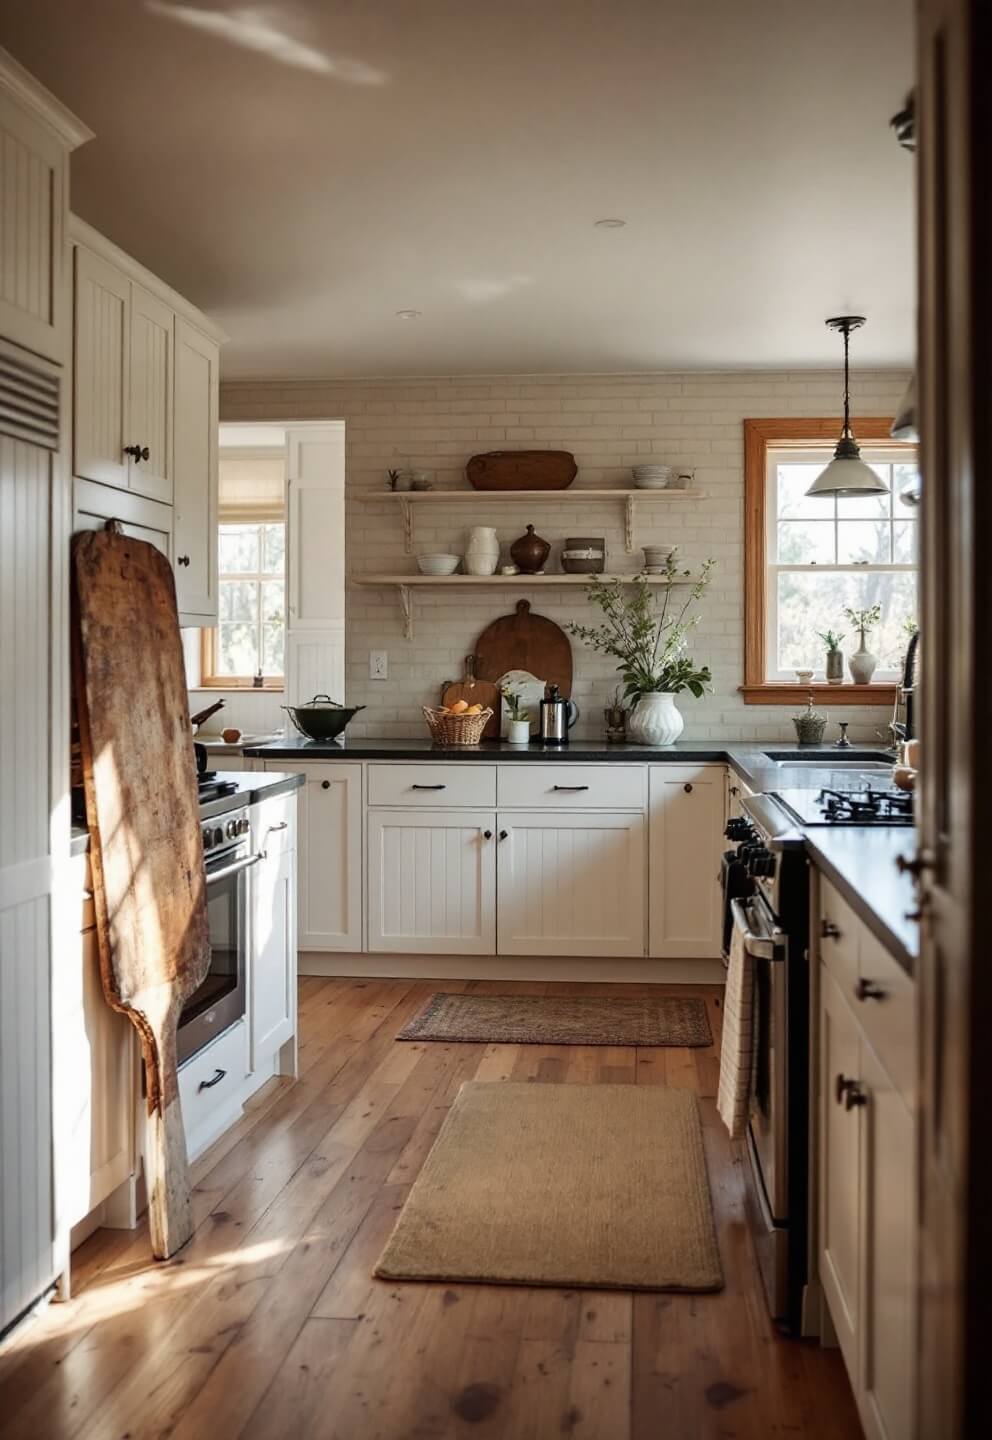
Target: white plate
{"type": "Point", "coordinates": [531, 691]}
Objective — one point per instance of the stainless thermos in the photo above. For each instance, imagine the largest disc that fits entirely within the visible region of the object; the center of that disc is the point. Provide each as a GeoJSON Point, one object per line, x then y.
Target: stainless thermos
{"type": "Point", "coordinates": [557, 717]}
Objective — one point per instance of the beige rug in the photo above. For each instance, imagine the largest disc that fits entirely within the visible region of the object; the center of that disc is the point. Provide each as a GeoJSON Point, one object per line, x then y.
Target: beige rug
{"type": "Point", "coordinates": [561, 1020]}
{"type": "Point", "coordinates": [573, 1185]}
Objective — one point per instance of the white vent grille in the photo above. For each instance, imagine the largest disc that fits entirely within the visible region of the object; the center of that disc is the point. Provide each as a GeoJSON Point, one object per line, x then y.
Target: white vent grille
{"type": "Point", "coordinates": [29, 397]}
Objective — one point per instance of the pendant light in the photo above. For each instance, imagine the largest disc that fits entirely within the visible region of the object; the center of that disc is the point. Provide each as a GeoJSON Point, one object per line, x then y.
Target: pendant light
{"type": "Point", "coordinates": [847, 473]}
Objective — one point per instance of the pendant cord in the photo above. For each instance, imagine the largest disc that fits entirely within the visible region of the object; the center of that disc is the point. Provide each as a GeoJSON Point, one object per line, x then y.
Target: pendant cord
{"type": "Point", "coordinates": [847, 383]}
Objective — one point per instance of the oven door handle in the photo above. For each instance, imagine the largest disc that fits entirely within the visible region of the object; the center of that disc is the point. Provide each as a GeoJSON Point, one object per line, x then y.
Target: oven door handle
{"type": "Point", "coordinates": [763, 947]}
{"type": "Point", "coordinates": [235, 869]}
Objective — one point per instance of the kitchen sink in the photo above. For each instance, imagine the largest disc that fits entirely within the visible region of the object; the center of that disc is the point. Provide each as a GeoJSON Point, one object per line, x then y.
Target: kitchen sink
{"type": "Point", "coordinates": [841, 760]}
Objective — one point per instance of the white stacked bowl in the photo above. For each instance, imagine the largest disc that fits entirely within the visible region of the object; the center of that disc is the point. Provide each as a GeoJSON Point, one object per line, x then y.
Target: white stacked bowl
{"type": "Point", "coordinates": [651, 477]}
{"type": "Point", "coordinates": [438, 564]}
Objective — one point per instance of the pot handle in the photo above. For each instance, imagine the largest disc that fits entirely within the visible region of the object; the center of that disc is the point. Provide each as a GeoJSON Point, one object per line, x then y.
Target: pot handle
{"type": "Point", "coordinates": [573, 713]}
{"type": "Point", "coordinates": [291, 712]}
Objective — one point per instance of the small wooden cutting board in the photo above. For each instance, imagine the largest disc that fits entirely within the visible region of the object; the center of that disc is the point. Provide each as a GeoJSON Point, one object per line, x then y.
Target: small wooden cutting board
{"type": "Point", "coordinates": [475, 692]}
{"type": "Point", "coordinates": [139, 775]}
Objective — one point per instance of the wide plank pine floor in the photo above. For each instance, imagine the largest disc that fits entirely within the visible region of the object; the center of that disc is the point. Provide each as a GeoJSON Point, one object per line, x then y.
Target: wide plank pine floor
{"type": "Point", "coordinates": [268, 1324]}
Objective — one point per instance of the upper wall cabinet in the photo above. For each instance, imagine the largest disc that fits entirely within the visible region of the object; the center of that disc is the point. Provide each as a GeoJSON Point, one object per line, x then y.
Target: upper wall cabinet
{"type": "Point", "coordinates": [36, 134]}
{"type": "Point", "coordinates": [145, 413]}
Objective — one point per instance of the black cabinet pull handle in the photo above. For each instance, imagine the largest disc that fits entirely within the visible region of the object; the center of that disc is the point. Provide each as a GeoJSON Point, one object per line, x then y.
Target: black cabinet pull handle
{"type": "Point", "coordinates": [868, 990]}
{"type": "Point", "coordinates": [829, 930]}
{"type": "Point", "coordinates": [428, 787]}
{"type": "Point", "coordinates": [325, 784]}
{"type": "Point", "coordinates": [209, 1084]}
{"type": "Point", "coordinates": [487, 834]}
{"type": "Point", "coordinates": [854, 1096]}
{"type": "Point", "coordinates": [138, 452]}
{"type": "Point", "coordinates": [570, 788]}
{"type": "Point", "coordinates": [503, 834]}
{"type": "Point", "coordinates": [687, 788]}
{"type": "Point", "coordinates": [182, 559]}
{"type": "Point", "coordinates": [841, 1087]}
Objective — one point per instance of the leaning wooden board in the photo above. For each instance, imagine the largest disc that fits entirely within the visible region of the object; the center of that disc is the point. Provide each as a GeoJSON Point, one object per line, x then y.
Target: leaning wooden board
{"type": "Point", "coordinates": [523, 641]}
{"type": "Point", "coordinates": [139, 776]}
{"type": "Point", "coordinates": [474, 692]}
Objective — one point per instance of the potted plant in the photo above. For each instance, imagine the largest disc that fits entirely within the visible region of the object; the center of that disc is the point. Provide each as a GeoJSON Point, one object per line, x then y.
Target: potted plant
{"type": "Point", "coordinates": [863, 663]}
{"type": "Point", "coordinates": [518, 727]}
{"type": "Point", "coordinates": [616, 717]}
{"type": "Point", "coordinates": [835, 657]}
{"type": "Point", "coordinates": [649, 641]}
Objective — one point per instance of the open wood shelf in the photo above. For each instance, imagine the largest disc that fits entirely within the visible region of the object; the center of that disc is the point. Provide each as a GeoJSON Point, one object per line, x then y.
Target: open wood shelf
{"type": "Point", "coordinates": [404, 583]}
{"type": "Point", "coordinates": [628, 496]}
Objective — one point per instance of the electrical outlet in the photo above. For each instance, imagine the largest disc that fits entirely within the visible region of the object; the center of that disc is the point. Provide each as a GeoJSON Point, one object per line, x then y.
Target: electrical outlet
{"type": "Point", "coordinates": [378, 665]}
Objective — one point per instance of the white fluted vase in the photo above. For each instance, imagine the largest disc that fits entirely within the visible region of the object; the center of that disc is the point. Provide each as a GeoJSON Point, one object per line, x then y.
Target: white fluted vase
{"type": "Point", "coordinates": [655, 719]}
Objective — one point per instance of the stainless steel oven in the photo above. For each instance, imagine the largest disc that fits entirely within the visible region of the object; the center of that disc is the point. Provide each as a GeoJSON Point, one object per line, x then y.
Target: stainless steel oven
{"type": "Point", "coordinates": [220, 1000]}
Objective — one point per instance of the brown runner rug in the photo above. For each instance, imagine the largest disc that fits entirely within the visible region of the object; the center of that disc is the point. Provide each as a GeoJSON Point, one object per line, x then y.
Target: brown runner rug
{"type": "Point", "coordinates": [561, 1020]}
{"type": "Point", "coordinates": [603, 1186]}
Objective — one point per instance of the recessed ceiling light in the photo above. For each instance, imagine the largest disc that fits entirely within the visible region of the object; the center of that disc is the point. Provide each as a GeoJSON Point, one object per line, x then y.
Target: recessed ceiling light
{"type": "Point", "coordinates": [611, 223]}
{"type": "Point", "coordinates": [409, 314]}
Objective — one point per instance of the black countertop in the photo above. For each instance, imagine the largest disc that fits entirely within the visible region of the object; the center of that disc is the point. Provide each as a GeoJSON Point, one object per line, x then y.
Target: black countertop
{"type": "Point", "coordinates": [859, 861]}
{"type": "Point", "coordinates": [251, 786]}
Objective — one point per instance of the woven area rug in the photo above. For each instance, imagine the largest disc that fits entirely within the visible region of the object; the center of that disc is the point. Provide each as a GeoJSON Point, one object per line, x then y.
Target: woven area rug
{"type": "Point", "coordinates": [561, 1020]}
{"type": "Point", "coordinates": [602, 1186]}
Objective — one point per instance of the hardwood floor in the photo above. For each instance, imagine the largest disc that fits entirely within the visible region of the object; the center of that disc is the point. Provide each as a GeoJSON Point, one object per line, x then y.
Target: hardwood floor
{"type": "Point", "coordinates": [269, 1325]}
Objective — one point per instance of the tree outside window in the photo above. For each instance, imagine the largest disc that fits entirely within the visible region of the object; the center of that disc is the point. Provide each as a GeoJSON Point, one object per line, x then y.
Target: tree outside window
{"type": "Point", "coordinates": [251, 630]}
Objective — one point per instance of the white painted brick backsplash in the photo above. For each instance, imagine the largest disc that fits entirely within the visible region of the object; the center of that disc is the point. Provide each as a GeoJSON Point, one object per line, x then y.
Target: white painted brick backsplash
{"type": "Point", "coordinates": [609, 422]}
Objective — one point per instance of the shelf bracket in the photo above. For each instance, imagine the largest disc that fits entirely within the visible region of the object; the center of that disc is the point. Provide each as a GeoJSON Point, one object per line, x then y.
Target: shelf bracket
{"type": "Point", "coordinates": [628, 528]}
{"type": "Point", "coordinates": [406, 605]}
{"type": "Point", "coordinates": [407, 526]}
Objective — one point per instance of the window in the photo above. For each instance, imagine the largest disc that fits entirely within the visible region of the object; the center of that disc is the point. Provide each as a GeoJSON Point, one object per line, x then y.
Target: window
{"type": "Point", "coordinates": [808, 559]}
{"type": "Point", "coordinates": [249, 640]}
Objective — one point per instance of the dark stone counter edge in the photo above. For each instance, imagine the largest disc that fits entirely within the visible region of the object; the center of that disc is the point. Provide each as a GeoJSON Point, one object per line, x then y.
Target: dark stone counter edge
{"type": "Point", "coordinates": [252, 787]}
{"type": "Point", "coordinates": [874, 919]}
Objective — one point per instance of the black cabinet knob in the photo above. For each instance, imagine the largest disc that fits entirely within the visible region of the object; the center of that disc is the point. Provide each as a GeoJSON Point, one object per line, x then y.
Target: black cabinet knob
{"type": "Point", "coordinates": [487, 834]}
{"type": "Point", "coordinates": [182, 559]}
{"type": "Point", "coordinates": [842, 1085]}
{"type": "Point", "coordinates": [687, 788]}
{"type": "Point", "coordinates": [325, 784]}
{"type": "Point", "coordinates": [854, 1097]}
{"type": "Point", "coordinates": [868, 990]}
{"type": "Point", "coordinates": [138, 452]}
{"type": "Point", "coordinates": [503, 834]}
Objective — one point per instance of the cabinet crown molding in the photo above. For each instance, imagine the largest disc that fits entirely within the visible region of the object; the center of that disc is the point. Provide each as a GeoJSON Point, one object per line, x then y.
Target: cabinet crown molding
{"type": "Point", "coordinates": [22, 86]}
{"type": "Point", "coordinates": [80, 233]}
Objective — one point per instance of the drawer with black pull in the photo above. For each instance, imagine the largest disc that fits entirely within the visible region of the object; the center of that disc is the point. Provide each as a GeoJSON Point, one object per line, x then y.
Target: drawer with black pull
{"type": "Point", "coordinates": [210, 1080]}
{"type": "Point", "coordinates": [433, 785]}
{"type": "Point", "coordinates": [561, 786]}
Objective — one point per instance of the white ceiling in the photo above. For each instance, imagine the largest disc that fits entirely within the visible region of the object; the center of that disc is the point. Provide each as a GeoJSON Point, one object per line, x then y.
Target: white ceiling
{"type": "Point", "coordinates": [304, 170]}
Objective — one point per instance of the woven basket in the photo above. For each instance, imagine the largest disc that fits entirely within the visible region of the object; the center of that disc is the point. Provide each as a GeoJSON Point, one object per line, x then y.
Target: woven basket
{"type": "Point", "coordinates": [448, 729]}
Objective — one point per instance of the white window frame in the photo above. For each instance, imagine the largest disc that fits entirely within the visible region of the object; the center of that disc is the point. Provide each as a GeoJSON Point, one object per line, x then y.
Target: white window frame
{"type": "Point", "coordinates": [211, 653]}
{"type": "Point", "coordinates": [798, 455]}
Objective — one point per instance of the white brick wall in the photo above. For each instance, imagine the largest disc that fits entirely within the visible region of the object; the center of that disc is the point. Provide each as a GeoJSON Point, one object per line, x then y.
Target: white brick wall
{"type": "Point", "coordinates": [608, 422]}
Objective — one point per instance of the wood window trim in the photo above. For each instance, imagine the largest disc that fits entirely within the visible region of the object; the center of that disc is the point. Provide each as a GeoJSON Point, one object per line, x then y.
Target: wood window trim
{"type": "Point", "coordinates": [210, 681]}
{"type": "Point", "coordinates": [793, 433]}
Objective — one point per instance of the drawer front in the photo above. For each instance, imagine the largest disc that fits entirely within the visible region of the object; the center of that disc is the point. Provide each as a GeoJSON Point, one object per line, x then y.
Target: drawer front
{"type": "Point", "coordinates": [838, 930]}
{"type": "Point", "coordinates": [561, 786]}
{"type": "Point", "coordinates": [884, 1002]}
{"type": "Point", "coordinates": [433, 785]}
{"type": "Point", "coordinates": [200, 1097]}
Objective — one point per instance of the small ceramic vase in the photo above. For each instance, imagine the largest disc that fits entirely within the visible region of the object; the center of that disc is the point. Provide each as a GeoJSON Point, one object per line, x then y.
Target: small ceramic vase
{"type": "Point", "coordinates": [655, 719]}
{"type": "Point", "coordinates": [530, 552]}
{"type": "Point", "coordinates": [482, 552]}
{"type": "Point", "coordinates": [518, 732]}
{"type": "Point", "coordinates": [835, 667]}
{"type": "Point", "coordinates": [862, 664]}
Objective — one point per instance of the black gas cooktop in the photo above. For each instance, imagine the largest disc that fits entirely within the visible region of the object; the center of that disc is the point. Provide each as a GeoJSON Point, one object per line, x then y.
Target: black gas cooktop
{"type": "Point", "coordinates": [882, 805]}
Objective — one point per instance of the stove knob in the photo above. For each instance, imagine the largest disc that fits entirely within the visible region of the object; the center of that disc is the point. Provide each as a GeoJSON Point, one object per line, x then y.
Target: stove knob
{"type": "Point", "coordinates": [218, 836]}
{"type": "Point", "coordinates": [231, 829]}
{"type": "Point", "coordinates": [763, 864]}
{"type": "Point", "coordinates": [208, 839]}
{"type": "Point", "coordinates": [737, 828]}
{"type": "Point", "coordinates": [244, 825]}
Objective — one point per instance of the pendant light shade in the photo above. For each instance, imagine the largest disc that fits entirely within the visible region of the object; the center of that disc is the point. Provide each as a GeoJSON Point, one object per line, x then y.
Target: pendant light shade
{"type": "Point", "coordinates": [847, 473]}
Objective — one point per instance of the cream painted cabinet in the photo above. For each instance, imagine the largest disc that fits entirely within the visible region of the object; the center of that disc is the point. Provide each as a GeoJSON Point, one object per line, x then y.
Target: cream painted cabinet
{"type": "Point", "coordinates": [145, 519]}
{"type": "Point", "coordinates": [329, 843]}
{"type": "Point", "coordinates": [840, 1179]}
{"type": "Point", "coordinates": [867, 1139]}
{"type": "Point", "coordinates": [687, 819]}
{"type": "Point", "coordinates": [570, 884]}
{"type": "Point", "coordinates": [195, 493]}
{"type": "Point", "coordinates": [315, 562]}
{"type": "Point", "coordinates": [273, 960]}
{"type": "Point", "coordinates": [149, 407]}
{"type": "Point", "coordinates": [432, 881]}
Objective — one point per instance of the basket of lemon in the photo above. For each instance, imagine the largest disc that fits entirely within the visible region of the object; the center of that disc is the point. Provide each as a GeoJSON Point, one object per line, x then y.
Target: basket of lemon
{"type": "Point", "coordinates": [457, 724]}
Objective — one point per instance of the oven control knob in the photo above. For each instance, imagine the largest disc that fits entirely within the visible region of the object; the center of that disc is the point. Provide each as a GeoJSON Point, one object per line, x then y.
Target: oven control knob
{"type": "Point", "coordinates": [231, 829]}
{"type": "Point", "coordinates": [208, 839]}
{"type": "Point", "coordinates": [763, 864]}
{"type": "Point", "coordinates": [244, 825]}
{"type": "Point", "coordinates": [737, 828]}
{"type": "Point", "coordinates": [218, 836]}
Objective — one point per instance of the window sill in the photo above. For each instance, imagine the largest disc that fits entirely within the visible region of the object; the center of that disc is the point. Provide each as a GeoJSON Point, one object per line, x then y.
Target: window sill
{"type": "Point", "coordinates": [786, 693]}
{"type": "Point", "coordinates": [242, 687]}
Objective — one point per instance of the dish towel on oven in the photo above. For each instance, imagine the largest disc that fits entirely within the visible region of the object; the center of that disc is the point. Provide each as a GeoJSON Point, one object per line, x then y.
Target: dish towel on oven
{"type": "Point", "coordinates": [737, 1046]}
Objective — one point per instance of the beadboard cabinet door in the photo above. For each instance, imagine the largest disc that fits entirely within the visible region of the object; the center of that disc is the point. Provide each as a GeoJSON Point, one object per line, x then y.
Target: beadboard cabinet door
{"type": "Point", "coordinates": [840, 1168]}
{"type": "Point", "coordinates": [688, 810]}
{"type": "Point", "coordinates": [570, 884]}
{"type": "Point", "coordinates": [195, 494]}
{"type": "Point", "coordinates": [432, 881]}
{"type": "Point", "coordinates": [101, 366]}
{"type": "Point", "coordinates": [149, 407]}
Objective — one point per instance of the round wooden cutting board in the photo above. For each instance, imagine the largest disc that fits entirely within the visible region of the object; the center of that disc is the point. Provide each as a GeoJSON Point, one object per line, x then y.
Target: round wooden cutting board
{"type": "Point", "coordinates": [523, 641]}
